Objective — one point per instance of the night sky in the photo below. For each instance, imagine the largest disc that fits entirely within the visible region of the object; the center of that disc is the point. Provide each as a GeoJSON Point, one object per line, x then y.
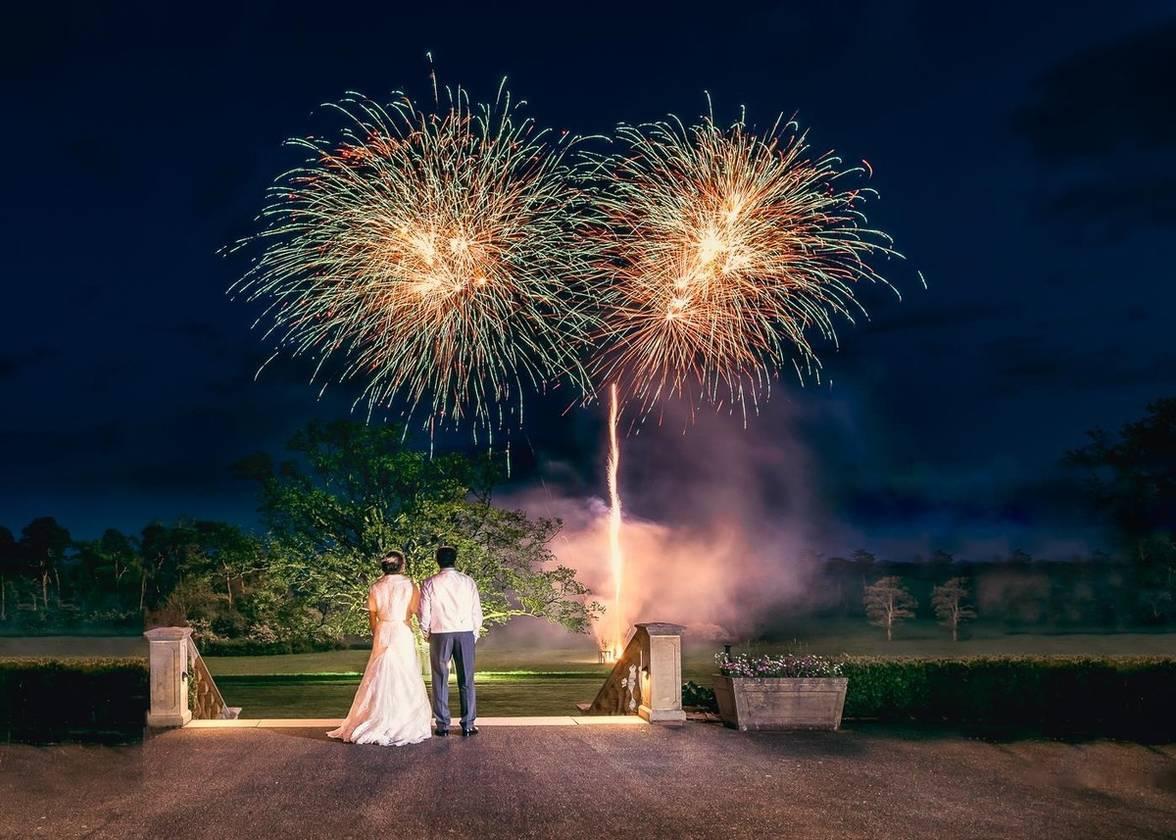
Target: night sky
{"type": "Point", "coordinates": [1026, 160]}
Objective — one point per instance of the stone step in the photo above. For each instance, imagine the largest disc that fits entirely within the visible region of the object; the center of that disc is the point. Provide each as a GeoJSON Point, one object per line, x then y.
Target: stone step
{"type": "Point", "coordinates": [331, 723]}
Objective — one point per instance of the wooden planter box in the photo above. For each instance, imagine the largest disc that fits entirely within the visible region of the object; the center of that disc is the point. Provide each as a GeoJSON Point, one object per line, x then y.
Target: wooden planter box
{"type": "Point", "coordinates": [780, 703]}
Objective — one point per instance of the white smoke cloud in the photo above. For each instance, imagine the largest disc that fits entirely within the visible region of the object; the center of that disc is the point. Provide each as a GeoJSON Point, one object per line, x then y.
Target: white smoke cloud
{"type": "Point", "coordinates": [717, 524]}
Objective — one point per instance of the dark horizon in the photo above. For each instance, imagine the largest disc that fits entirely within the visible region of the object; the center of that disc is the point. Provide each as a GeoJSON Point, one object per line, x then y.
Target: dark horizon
{"type": "Point", "coordinates": [1024, 163]}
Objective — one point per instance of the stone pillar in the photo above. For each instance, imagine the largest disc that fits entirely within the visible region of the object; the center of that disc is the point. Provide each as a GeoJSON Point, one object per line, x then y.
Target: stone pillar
{"type": "Point", "coordinates": [168, 658]}
{"type": "Point", "coordinates": [661, 678]}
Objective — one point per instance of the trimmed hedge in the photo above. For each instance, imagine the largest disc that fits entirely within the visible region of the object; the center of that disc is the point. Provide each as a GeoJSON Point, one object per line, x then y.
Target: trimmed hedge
{"type": "Point", "coordinates": [1109, 696]}
{"type": "Point", "coordinates": [252, 647]}
{"type": "Point", "coordinates": [46, 700]}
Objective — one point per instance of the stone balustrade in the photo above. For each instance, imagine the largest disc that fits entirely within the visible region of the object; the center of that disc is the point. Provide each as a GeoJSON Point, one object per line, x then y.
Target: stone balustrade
{"type": "Point", "coordinates": [647, 678]}
{"type": "Point", "coordinates": [182, 688]}
{"type": "Point", "coordinates": [167, 657]}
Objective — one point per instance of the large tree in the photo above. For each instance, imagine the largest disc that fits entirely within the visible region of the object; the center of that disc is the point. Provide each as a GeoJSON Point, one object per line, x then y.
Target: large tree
{"type": "Point", "coordinates": [1131, 477]}
{"type": "Point", "coordinates": [351, 492]}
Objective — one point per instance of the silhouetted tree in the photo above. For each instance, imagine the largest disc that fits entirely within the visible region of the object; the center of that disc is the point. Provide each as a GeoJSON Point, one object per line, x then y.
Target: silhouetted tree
{"type": "Point", "coordinates": [939, 557]}
{"type": "Point", "coordinates": [118, 554]}
{"type": "Point", "coordinates": [865, 561]}
{"type": "Point", "coordinates": [1132, 478]}
{"type": "Point", "coordinates": [229, 553]}
{"type": "Point", "coordinates": [949, 603]}
{"type": "Point", "coordinates": [888, 603]}
{"type": "Point", "coordinates": [864, 558]}
{"type": "Point", "coordinates": [101, 567]}
{"type": "Point", "coordinates": [10, 565]}
{"type": "Point", "coordinates": [168, 552]}
{"type": "Point", "coordinates": [43, 543]}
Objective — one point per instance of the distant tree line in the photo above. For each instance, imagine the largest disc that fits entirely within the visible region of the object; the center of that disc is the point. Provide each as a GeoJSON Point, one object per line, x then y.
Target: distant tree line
{"type": "Point", "coordinates": [1130, 483]}
{"type": "Point", "coordinates": [1016, 592]}
{"type": "Point", "coordinates": [48, 579]}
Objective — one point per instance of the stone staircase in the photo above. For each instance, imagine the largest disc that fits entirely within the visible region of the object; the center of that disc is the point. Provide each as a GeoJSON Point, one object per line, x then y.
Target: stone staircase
{"type": "Point", "coordinates": [647, 678]}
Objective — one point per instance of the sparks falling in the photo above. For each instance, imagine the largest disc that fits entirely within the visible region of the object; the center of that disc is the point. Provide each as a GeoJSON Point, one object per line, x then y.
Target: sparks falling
{"type": "Point", "coordinates": [616, 555]}
{"type": "Point", "coordinates": [727, 252]}
{"type": "Point", "coordinates": [434, 255]}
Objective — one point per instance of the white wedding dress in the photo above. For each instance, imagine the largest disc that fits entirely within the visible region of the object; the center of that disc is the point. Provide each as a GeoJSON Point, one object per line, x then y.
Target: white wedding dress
{"type": "Point", "coordinates": [390, 706]}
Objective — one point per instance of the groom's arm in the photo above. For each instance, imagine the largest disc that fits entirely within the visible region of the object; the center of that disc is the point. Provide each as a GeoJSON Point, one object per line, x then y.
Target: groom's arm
{"type": "Point", "coordinates": [426, 612]}
{"type": "Point", "coordinates": [477, 613]}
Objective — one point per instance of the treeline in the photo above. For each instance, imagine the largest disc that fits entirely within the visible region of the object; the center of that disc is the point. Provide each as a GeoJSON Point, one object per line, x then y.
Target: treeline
{"type": "Point", "coordinates": [1128, 479]}
{"type": "Point", "coordinates": [209, 574]}
{"type": "Point", "coordinates": [1015, 592]}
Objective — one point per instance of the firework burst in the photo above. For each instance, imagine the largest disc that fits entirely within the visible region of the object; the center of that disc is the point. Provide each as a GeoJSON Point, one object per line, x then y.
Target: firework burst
{"type": "Point", "coordinates": [435, 255]}
{"type": "Point", "coordinates": [727, 252]}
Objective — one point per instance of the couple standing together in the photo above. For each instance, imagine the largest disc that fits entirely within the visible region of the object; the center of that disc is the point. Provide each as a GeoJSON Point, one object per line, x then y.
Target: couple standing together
{"type": "Point", "coordinates": [390, 706]}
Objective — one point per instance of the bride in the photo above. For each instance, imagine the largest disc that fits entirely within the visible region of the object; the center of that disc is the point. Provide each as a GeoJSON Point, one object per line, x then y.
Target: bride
{"type": "Point", "coordinates": [390, 706]}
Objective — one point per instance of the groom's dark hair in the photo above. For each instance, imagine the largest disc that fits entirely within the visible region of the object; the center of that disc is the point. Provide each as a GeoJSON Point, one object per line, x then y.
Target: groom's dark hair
{"type": "Point", "coordinates": [447, 557]}
{"type": "Point", "coordinates": [393, 563]}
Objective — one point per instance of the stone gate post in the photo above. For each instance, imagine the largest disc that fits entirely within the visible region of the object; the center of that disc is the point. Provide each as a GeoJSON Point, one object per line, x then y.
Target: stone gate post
{"type": "Point", "coordinates": [647, 678]}
{"type": "Point", "coordinates": [168, 660]}
{"type": "Point", "coordinates": [661, 700]}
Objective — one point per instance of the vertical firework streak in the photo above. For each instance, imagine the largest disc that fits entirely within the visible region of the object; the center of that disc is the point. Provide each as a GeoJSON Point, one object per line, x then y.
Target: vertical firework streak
{"type": "Point", "coordinates": [616, 554]}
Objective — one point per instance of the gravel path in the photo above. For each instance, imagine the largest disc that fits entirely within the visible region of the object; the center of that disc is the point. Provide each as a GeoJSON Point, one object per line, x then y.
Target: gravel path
{"type": "Point", "coordinates": [699, 780]}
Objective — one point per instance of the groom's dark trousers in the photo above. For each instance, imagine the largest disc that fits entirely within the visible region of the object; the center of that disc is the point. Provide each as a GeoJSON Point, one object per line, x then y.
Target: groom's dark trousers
{"type": "Point", "coordinates": [460, 648]}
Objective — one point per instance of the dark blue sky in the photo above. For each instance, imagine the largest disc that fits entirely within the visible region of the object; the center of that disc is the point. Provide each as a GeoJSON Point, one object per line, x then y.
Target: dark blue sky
{"type": "Point", "coordinates": [1026, 159]}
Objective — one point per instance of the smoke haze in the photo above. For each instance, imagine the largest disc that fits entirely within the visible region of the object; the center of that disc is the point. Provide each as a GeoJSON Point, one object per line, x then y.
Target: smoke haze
{"type": "Point", "coordinates": [716, 524]}
{"type": "Point", "coordinates": [725, 526]}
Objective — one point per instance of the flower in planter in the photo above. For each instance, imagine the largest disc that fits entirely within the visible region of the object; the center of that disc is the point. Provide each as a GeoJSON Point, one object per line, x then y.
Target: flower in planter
{"type": "Point", "coordinates": [782, 665]}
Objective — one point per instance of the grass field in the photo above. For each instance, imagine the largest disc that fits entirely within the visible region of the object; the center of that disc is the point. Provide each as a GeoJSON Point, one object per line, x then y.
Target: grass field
{"type": "Point", "coordinates": [546, 674]}
{"type": "Point", "coordinates": [515, 678]}
{"type": "Point", "coordinates": [512, 679]}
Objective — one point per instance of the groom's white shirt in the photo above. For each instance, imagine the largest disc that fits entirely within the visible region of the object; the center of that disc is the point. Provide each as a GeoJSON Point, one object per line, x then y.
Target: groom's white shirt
{"type": "Point", "coordinates": [450, 604]}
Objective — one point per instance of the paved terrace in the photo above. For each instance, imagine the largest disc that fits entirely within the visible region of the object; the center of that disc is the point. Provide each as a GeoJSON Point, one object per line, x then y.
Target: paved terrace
{"type": "Point", "coordinates": [562, 778]}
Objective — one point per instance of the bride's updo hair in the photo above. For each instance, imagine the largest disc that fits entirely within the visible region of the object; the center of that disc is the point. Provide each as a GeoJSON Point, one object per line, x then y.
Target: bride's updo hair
{"type": "Point", "coordinates": [393, 563]}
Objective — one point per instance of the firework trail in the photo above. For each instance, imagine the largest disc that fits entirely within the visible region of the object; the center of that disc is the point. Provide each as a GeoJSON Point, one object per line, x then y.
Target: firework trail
{"type": "Point", "coordinates": [616, 555]}
{"type": "Point", "coordinates": [725, 252]}
{"type": "Point", "coordinates": [433, 255]}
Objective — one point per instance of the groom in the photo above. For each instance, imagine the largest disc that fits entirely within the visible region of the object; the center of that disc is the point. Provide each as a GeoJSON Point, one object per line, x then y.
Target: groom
{"type": "Point", "coordinates": [451, 617]}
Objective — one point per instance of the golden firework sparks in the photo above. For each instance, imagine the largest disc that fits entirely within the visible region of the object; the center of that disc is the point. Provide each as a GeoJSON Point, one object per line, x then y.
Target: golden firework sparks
{"type": "Point", "coordinates": [727, 252]}
{"type": "Point", "coordinates": [437, 253]}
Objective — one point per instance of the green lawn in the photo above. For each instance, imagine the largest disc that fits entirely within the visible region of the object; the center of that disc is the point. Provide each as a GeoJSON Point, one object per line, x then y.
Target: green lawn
{"type": "Point", "coordinates": [498, 695]}
{"type": "Point", "coordinates": [926, 638]}
{"type": "Point", "coordinates": [534, 680]}
{"type": "Point", "coordinates": [511, 681]}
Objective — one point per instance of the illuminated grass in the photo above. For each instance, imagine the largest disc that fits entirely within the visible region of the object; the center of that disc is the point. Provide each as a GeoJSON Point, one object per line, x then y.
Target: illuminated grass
{"type": "Point", "coordinates": [330, 695]}
{"type": "Point", "coordinates": [353, 676]}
